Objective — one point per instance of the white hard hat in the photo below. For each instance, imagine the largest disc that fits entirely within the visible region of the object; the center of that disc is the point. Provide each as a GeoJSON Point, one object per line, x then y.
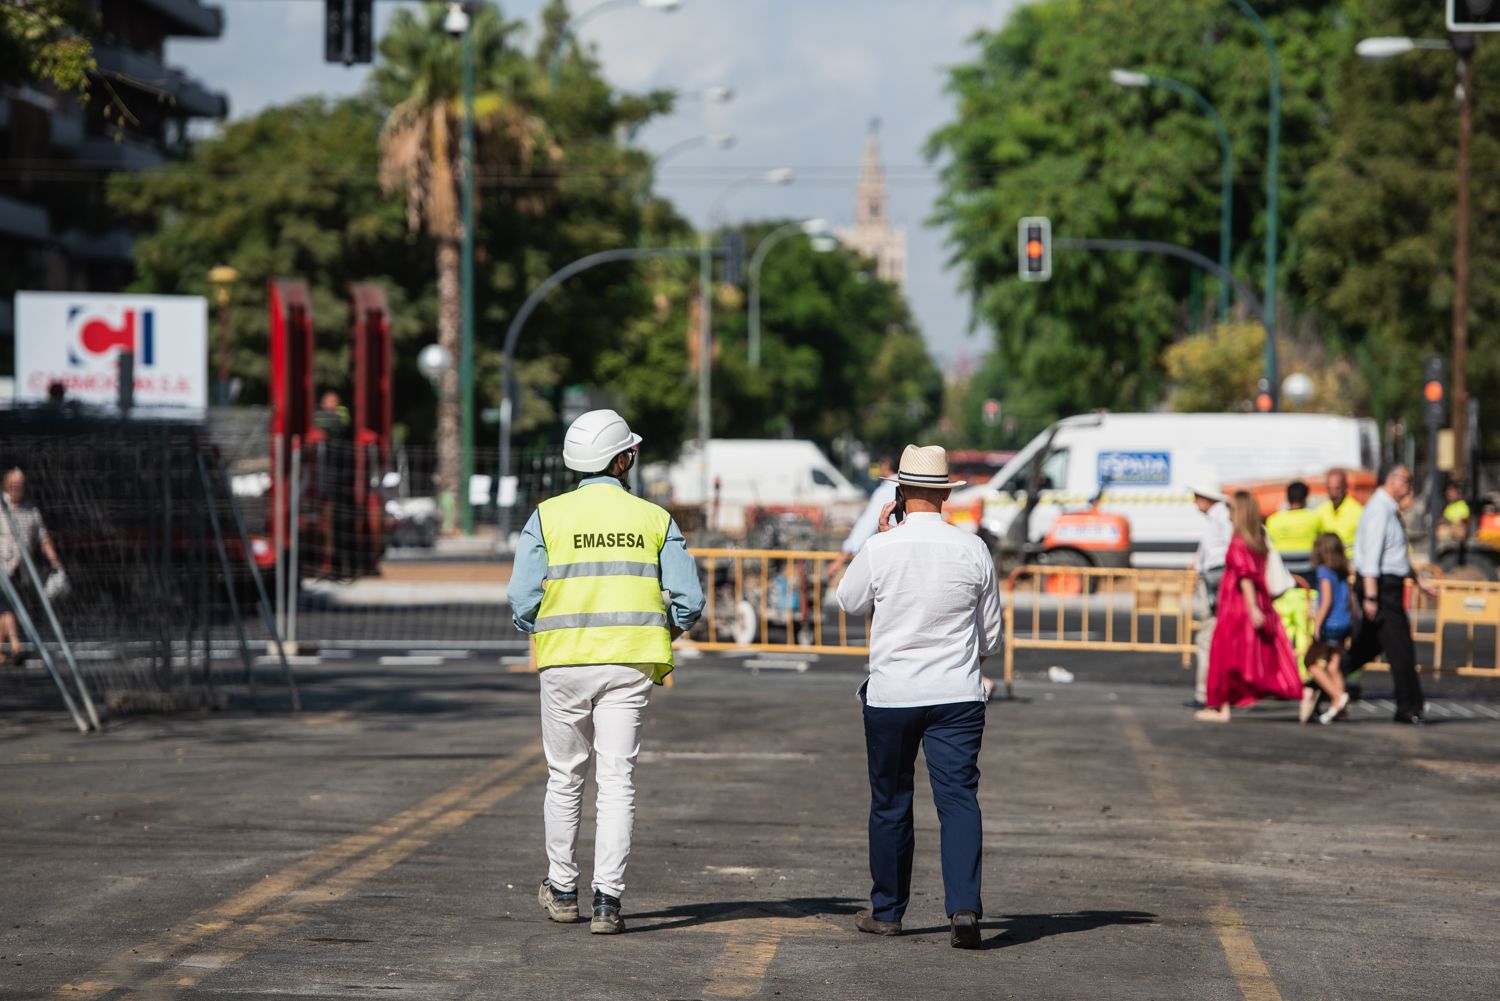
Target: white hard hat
{"type": "Point", "coordinates": [596, 438]}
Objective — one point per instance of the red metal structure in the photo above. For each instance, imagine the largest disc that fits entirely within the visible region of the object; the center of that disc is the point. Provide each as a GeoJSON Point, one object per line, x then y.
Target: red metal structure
{"type": "Point", "coordinates": [370, 333]}
{"type": "Point", "coordinates": [291, 390]}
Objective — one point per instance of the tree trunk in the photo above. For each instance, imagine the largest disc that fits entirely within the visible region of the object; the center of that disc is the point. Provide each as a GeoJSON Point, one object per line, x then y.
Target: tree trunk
{"type": "Point", "coordinates": [449, 319]}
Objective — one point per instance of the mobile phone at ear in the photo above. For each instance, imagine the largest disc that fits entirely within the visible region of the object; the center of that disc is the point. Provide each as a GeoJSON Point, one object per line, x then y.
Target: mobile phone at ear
{"type": "Point", "coordinates": [900, 512]}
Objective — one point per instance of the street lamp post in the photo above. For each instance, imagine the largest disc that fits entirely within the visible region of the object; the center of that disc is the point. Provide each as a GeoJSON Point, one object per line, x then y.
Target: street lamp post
{"type": "Point", "coordinates": [1462, 44]}
{"type": "Point", "coordinates": [778, 175]}
{"type": "Point", "coordinates": [1273, 184]}
{"type": "Point", "coordinates": [1130, 78]}
{"type": "Point", "coordinates": [570, 30]}
{"type": "Point", "coordinates": [811, 227]}
{"type": "Point", "coordinates": [222, 278]}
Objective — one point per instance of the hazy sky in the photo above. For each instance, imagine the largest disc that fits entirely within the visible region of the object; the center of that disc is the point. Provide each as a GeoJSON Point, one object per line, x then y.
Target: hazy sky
{"type": "Point", "coordinates": [808, 76]}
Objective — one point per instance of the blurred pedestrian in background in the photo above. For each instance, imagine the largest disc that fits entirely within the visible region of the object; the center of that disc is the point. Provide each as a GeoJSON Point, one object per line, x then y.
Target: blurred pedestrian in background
{"type": "Point", "coordinates": [1382, 566]}
{"type": "Point", "coordinates": [936, 604]}
{"type": "Point", "coordinates": [31, 536]}
{"type": "Point", "coordinates": [1208, 561]}
{"type": "Point", "coordinates": [1293, 529]}
{"type": "Point", "coordinates": [1340, 513]}
{"type": "Point", "coordinates": [1251, 657]}
{"type": "Point", "coordinates": [1456, 509]}
{"type": "Point", "coordinates": [590, 570]}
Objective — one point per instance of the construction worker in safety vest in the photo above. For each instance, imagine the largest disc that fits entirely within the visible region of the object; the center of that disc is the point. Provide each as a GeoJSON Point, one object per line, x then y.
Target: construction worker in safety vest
{"type": "Point", "coordinates": [1294, 530]}
{"type": "Point", "coordinates": [590, 570]}
{"type": "Point", "coordinates": [1340, 513]}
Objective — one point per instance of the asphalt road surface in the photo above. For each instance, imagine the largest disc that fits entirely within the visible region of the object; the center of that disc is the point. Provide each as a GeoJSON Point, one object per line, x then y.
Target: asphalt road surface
{"type": "Point", "coordinates": [387, 843]}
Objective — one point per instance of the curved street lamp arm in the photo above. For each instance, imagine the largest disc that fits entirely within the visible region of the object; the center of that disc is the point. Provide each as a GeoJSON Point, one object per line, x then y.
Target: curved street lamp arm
{"type": "Point", "coordinates": [513, 334]}
{"type": "Point", "coordinates": [757, 259]}
{"type": "Point", "coordinates": [1247, 295]}
{"type": "Point", "coordinates": [569, 33]}
{"type": "Point", "coordinates": [1226, 179]}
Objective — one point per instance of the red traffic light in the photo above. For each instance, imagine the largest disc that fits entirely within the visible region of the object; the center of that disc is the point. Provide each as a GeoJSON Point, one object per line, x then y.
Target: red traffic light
{"type": "Point", "coordinates": [1433, 391]}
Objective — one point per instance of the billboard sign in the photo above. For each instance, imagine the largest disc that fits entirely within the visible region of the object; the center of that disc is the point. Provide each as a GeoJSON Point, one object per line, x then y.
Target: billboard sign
{"type": "Point", "coordinates": [76, 338]}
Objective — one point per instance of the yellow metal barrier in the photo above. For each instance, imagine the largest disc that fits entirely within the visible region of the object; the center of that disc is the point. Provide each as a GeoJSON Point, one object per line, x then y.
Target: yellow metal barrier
{"type": "Point", "coordinates": [1469, 604]}
{"type": "Point", "coordinates": [773, 600]}
{"type": "Point", "coordinates": [1157, 606]}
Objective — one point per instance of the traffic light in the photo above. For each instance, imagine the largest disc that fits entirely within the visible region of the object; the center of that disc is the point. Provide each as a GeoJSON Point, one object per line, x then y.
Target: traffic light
{"type": "Point", "coordinates": [335, 30]}
{"type": "Point", "coordinates": [348, 31]}
{"type": "Point", "coordinates": [362, 32]}
{"type": "Point", "coordinates": [1434, 391]}
{"type": "Point", "coordinates": [1265, 401]}
{"type": "Point", "coordinates": [1034, 248]}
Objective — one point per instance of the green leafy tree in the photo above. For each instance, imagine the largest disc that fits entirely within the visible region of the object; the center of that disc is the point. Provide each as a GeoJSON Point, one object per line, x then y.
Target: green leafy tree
{"type": "Point", "coordinates": [1380, 228]}
{"type": "Point", "coordinates": [840, 353]}
{"type": "Point", "coordinates": [1040, 129]}
{"type": "Point", "coordinates": [289, 193]}
{"type": "Point", "coordinates": [47, 41]}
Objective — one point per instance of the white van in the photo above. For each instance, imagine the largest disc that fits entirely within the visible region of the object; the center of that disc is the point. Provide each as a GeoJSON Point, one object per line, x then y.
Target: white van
{"type": "Point", "coordinates": [1142, 466]}
{"type": "Point", "coordinates": [761, 472]}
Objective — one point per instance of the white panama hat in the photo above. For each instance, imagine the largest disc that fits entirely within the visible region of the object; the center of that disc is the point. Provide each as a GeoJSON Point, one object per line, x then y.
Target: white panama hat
{"type": "Point", "coordinates": [1209, 489]}
{"type": "Point", "coordinates": [925, 466]}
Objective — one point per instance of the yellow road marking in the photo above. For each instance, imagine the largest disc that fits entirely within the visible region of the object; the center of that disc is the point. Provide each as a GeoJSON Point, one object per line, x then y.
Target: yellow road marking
{"type": "Point", "coordinates": [294, 881]}
{"type": "Point", "coordinates": [1249, 969]}
{"type": "Point", "coordinates": [750, 950]}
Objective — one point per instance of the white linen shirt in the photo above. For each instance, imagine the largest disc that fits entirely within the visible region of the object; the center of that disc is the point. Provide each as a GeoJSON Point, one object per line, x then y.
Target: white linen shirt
{"type": "Point", "coordinates": [937, 612]}
{"type": "Point", "coordinates": [1214, 546]}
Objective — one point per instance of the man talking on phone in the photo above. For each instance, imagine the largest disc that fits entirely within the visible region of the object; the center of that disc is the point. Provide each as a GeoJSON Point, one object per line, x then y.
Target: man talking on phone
{"type": "Point", "coordinates": [936, 604]}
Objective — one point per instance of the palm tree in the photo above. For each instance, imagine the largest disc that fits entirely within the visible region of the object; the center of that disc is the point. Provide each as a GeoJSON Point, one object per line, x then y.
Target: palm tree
{"type": "Point", "coordinates": [420, 78]}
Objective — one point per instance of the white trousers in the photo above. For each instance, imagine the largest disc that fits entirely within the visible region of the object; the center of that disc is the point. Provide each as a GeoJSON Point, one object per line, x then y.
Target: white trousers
{"type": "Point", "coordinates": [591, 710]}
{"type": "Point", "coordinates": [1205, 640]}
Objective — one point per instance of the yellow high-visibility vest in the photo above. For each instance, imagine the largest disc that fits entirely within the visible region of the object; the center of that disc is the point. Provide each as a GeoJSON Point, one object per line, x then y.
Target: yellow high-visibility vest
{"type": "Point", "coordinates": [1343, 522]}
{"type": "Point", "coordinates": [1293, 531]}
{"type": "Point", "coordinates": [602, 599]}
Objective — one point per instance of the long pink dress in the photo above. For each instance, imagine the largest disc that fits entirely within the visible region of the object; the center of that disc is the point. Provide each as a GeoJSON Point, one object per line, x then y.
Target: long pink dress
{"type": "Point", "coordinates": [1245, 664]}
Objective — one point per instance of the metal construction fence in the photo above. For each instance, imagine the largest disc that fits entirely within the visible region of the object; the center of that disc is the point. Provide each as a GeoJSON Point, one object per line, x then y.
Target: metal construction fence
{"type": "Point", "coordinates": [156, 603]}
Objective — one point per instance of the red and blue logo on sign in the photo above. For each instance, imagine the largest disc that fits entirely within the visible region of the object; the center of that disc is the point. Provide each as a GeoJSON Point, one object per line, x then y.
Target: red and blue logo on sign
{"type": "Point", "coordinates": [95, 333]}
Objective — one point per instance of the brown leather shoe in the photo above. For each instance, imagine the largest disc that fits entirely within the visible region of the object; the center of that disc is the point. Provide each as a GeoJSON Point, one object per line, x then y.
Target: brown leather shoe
{"type": "Point", "coordinates": [867, 922]}
{"type": "Point", "coordinates": [965, 929]}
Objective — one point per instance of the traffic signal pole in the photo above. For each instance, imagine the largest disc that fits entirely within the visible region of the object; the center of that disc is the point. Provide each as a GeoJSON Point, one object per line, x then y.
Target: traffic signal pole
{"type": "Point", "coordinates": [1464, 46]}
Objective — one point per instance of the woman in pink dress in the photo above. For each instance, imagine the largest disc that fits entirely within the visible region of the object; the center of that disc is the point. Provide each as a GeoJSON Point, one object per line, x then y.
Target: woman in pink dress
{"type": "Point", "coordinates": [1251, 657]}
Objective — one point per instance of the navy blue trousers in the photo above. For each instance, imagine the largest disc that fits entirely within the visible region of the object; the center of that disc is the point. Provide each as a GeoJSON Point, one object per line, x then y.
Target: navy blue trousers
{"type": "Point", "coordinates": [949, 736]}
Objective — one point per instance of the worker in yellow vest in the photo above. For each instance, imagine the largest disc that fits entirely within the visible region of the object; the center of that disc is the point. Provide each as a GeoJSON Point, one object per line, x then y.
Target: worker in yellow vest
{"type": "Point", "coordinates": [1340, 513]}
{"type": "Point", "coordinates": [1294, 529]}
{"type": "Point", "coordinates": [590, 570]}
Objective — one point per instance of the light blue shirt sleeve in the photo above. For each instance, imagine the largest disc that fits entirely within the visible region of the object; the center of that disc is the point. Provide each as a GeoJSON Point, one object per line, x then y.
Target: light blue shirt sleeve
{"type": "Point", "coordinates": [679, 578]}
{"type": "Point", "coordinates": [1380, 540]}
{"type": "Point", "coordinates": [869, 518]}
{"type": "Point", "coordinates": [527, 574]}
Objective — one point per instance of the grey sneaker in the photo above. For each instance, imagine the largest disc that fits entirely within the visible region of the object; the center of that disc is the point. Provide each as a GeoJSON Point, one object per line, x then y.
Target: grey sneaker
{"type": "Point", "coordinates": [560, 907]}
{"type": "Point", "coordinates": [607, 920]}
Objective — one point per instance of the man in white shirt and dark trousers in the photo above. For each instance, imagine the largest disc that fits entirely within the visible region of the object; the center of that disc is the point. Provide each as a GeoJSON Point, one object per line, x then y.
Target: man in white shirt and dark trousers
{"type": "Point", "coordinates": [1382, 566]}
{"type": "Point", "coordinates": [936, 605]}
{"type": "Point", "coordinates": [1208, 561]}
